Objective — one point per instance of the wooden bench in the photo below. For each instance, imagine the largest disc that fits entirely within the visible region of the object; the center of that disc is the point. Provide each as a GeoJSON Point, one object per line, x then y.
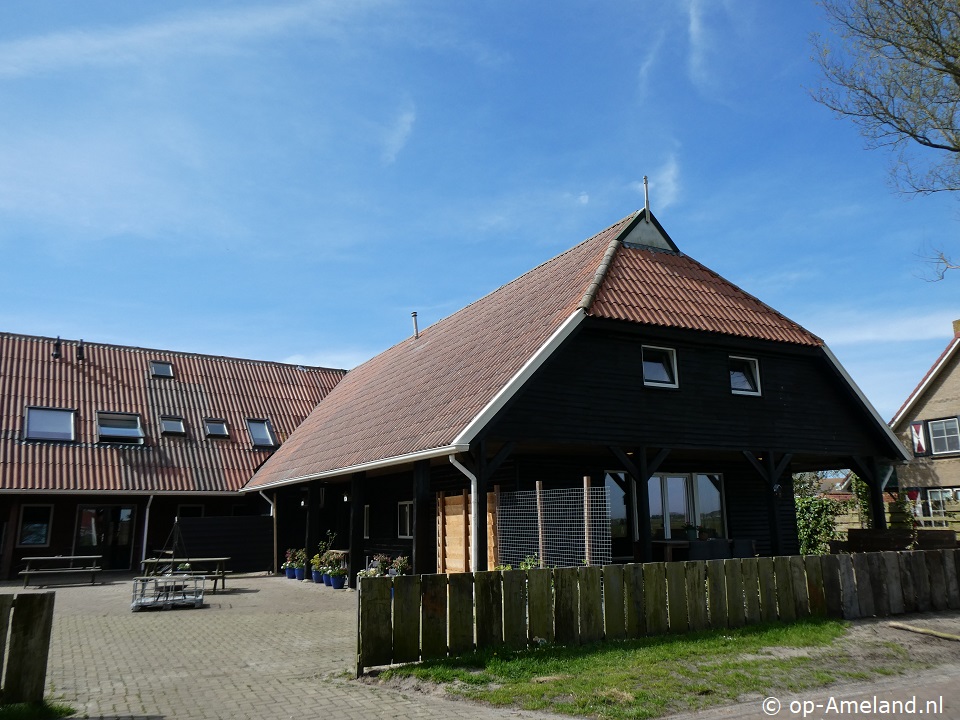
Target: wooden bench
{"type": "Point", "coordinates": [89, 566]}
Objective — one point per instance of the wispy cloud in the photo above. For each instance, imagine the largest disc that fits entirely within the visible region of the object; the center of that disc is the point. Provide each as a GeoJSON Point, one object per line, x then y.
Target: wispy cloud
{"type": "Point", "coordinates": [840, 327]}
{"type": "Point", "coordinates": [664, 184]}
{"type": "Point", "coordinates": [648, 62]}
{"type": "Point", "coordinates": [697, 65]}
{"type": "Point", "coordinates": [399, 133]}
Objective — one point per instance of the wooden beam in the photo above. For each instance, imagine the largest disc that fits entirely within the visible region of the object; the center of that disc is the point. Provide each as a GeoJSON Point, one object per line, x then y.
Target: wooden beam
{"type": "Point", "coordinates": [356, 559]}
{"type": "Point", "coordinates": [423, 522]}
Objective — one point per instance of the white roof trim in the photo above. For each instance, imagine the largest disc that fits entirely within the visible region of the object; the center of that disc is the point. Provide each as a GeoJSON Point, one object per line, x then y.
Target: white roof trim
{"type": "Point", "coordinates": [361, 467]}
{"type": "Point", "coordinates": [931, 376]}
{"type": "Point", "coordinates": [905, 456]}
{"type": "Point", "coordinates": [507, 392]}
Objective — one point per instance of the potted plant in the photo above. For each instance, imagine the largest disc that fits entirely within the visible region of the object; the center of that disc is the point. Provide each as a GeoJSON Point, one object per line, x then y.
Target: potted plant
{"type": "Point", "coordinates": [300, 563]}
{"type": "Point", "coordinates": [338, 577]}
{"type": "Point", "coordinates": [288, 566]}
{"type": "Point", "coordinates": [690, 531]}
{"type": "Point", "coordinates": [316, 569]}
{"type": "Point", "coordinates": [401, 565]}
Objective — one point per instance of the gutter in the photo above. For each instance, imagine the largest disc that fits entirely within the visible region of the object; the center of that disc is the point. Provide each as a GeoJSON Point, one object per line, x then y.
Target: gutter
{"type": "Point", "coordinates": [270, 503]}
{"type": "Point", "coordinates": [475, 509]}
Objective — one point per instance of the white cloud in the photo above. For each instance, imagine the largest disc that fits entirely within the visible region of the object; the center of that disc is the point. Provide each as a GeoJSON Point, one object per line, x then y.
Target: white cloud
{"type": "Point", "coordinates": [583, 198]}
{"type": "Point", "coordinates": [840, 327]}
{"type": "Point", "coordinates": [664, 185]}
{"type": "Point", "coordinates": [697, 65]}
{"type": "Point", "coordinates": [399, 133]}
{"type": "Point", "coordinates": [646, 66]}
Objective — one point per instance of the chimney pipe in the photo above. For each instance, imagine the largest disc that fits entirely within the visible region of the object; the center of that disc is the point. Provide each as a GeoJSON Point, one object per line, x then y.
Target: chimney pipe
{"type": "Point", "coordinates": [416, 330]}
{"type": "Point", "coordinates": [56, 349]}
{"type": "Point", "coordinates": [80, 353]}
{"type": "Point", "coordinates": [646, 200]}
{"type": "Point", "coordinates": [956, 328]}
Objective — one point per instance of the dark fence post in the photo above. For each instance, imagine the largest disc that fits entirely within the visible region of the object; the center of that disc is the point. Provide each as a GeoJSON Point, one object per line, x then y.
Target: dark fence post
{"type": "Point", "coordinates": [29, 648]}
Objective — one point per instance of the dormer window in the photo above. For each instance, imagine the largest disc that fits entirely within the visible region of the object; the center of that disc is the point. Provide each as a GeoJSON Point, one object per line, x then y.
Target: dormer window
{"type": "Point", "coordinates": [119, 428]}
{"type": "Point", "coordinates": [744, 376]}
{"type": "Point", "coordinates": [161, 369]}
{"type": "Point", "coordinates": [216, 428]}
{"type": "Point", "coordinates": [659, 367]}
{"type": "Point", "coordinates": [261, 433]}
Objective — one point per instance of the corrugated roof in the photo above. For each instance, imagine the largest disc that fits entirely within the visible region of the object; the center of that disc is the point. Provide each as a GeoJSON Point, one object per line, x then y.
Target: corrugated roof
{"type": "Point", "coordinates": [115, 378]}
{"type": "Point", "coordinates": [421, 395]}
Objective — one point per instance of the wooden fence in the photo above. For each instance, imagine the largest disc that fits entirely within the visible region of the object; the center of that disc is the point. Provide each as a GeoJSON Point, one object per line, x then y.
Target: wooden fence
{"type": "Point", "coordinates": [29, 619]}
{"type": "Point", "coordinates": [409, 618]}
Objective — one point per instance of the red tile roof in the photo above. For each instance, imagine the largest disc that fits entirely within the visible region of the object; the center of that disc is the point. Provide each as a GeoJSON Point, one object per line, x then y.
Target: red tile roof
{"type": "Point", "coordinates": [118, 379]}
{"type": "Point", "coordinates": [422, 395]}
{"type": "Point", "coordinates": [938, 365]}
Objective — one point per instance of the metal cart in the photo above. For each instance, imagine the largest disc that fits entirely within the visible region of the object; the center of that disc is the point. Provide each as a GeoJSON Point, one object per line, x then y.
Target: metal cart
{"type": "Point", "coordinates": [167, 591]}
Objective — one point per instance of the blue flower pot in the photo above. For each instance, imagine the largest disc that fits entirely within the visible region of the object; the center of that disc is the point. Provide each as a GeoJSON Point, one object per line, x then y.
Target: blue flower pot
{"type": "Point", "coordinates": [291, 573]}
{"type": "Point", "coordinates": [299, 573]}
{"type": "Point", "coordinates": [326, 579]}
{"type": "Point", "coordinates": [317, 576]}
{"type": "Point", "coordinates": [338, 581]}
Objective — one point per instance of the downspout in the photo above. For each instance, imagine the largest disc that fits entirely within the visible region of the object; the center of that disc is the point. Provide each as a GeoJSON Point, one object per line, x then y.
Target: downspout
{"type": "Point", "coordinates": [269, 502]}
{"type": "Point", "coordinates": [474, 494]}
{"type": "Point", "coordinates": [146, 526]}
{"type": "Point", "coordinates": [276, 550]}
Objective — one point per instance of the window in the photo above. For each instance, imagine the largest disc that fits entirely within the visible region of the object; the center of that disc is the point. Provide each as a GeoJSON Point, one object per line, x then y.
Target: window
{"type": "Point", "coordinates": [261, 433]}
{"type": "Point", "coordinates": [49, 424]}
{"type": "Point", "coordinates": [405, 520]}
{"type": "Point", "coordinates": [161, 369]}
{"type": "Point", "coordinates": [172, 425]}
{"type": "Point", "coordinates": [944, 436]}
{"type": "Point", "coordinates": [35, 522]}
{"type": "Point", "coordinates": [689, 500]}
{"type": "Point", "coordinates": [659, 367]}
{"type": "Point", "coordinates": [119, 428]}
{"type": "Point", "coordinates": [744, 376]}
{"type": "Point", "coordinates": [216, 428]}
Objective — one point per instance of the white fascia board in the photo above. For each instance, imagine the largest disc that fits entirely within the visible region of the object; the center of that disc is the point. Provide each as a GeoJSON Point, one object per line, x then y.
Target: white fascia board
{"type": "Point", "coordinates": [905, 456]}
{"type": "Point", "coordinates": [142, 493]}
{"type": "Point", "coordinates": [507, 392]}
{"type": "Point", "coordinates": [931, 376]}
{"type": "Point", "coordinates": [361, 467]}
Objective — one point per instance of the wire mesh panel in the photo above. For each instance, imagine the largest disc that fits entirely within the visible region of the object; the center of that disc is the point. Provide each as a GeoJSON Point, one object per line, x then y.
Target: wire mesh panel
{"type": "Point", "coordinates": [560, 527]}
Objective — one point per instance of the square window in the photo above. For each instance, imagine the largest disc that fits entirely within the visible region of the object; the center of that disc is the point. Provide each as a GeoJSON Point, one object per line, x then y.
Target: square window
{"type": "Point", "coordinates": [945, 436]}
{"type": "Point", "coordinates": [405, 520]}
{"type": "Point", "coordinates": [49, 424]}
{"type": "Point", "coordinates": [659, 367]}
{"type": "Point", "coordinates": [216, 428]}
{"type": "Point", "coordinates": [172, 425]}
{"type": "Point", "coordinates": [744, 376]}
{"type": "Point", "coordinates": [161, 369]}
{"type": "Point", "coordinates": [35, 523]}
{"type": "Point", "coordinates": [119, 428]}
{"type": "Point", "coordinates": [261, 433]}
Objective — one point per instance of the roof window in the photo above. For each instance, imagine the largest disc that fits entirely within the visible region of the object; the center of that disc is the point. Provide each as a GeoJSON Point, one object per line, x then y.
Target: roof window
{"type": "Point", "coordinates": [49, 424]}
{"type": "Point", "coordinates": [161, 369]}
{"type": "Point", "coordinates": [261, 433]}
{"type": "Point", "coordinates": [744, 376]}
{"type": "Point", "coordinates": [216, 428]}
{"type": "Point", "coordinates": [172, 425]}
{"type": "Point", "coordinates": [659, 367]}
{"type": "Point", "coordinates": [119, 428]}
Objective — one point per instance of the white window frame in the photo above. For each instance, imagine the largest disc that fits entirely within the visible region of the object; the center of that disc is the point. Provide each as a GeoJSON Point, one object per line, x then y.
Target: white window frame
{"type": "Point", "coordinates": [693, 498]}
{"type": "Point", "coordinates": [49, 526]}
{"type": "Point", "coordinates": [173, 418]}
{"type": "Point", "coordinates": [131, 438]}
{"type": "Point", "coordinates": [73, 423]}
{"type": "Point", "coordinates": [155, 364]}
{"type": "Point", "coordinates": [946, 435]}
{"type": "Point", "coordinates": [405, 508]}
{"type": "Point", "coordinates": [755, 366]}
{"type": "Point", "coordinates": [672, 354]}
{"type": "Point", "coordinates": [268, 426]}
{"type": "Point", "coordinates": [216, 435]}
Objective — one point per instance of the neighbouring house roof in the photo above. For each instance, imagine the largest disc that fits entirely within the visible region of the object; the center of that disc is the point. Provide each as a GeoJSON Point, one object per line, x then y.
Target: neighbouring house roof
{"type": "Point", "coordinates": [931, 376]}
{"type": "Point", "coordinates": [118, 379]}
{"type": "Point", "coordinates": [427, 396]}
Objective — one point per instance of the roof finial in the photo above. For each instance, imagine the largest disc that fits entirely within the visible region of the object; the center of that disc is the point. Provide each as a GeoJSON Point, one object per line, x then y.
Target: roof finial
{"type": "Point", "coordinates": [646, 200]}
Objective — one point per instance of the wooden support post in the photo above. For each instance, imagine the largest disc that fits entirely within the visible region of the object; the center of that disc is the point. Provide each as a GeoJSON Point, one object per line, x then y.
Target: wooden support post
{"type": "Point", "coordinates": [441, 533]}
{"type": "Point", "coordinates": [587, 544]}
{"type": "Point", "coordinates": [869, 472]}
{"type": "Point", "coordinates": [541, 533]}
{"type": "Point", "coordinates": [422, 561]}
{"type": "Point", "coordinates": [640, 500]}
{"type": "Point", "coordinates": [29, 648]}
{"type": "Point", "coordinates": [276, 541]}
{"type": "Point", "coordinates": [480, 509]}
{"type": "Point", "coordinates": [356, 560]}
{"type": "Point", "coordinates": [771, 472]}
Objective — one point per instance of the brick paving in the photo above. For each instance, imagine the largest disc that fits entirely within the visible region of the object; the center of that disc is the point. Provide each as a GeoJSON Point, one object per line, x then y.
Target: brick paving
{"type": "Point", "coordinates": [266, 648]}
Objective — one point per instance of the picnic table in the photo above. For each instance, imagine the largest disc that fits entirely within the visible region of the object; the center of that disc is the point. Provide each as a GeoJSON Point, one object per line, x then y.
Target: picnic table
{"type": "Point", "coordinates": [212, 568]}
{"type": "Point", "coordinates": [61, 564]}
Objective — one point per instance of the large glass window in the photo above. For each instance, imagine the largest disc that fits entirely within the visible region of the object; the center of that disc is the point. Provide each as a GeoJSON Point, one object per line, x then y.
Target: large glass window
{"type": "Point", "coordinates": [690, 500]}
{"type": "Point", "coordinates": [35, 522]}
{"type": "Point", "coordinates": [659, 366]}
{"type": "Point", "coordinates": [945, 436]}
{"type": "Point", "coordinates": [261, 433]}
{"type": "Point", "coordinates": [119, 428]}
{"type": "Point", "coordinates": [49, 424]}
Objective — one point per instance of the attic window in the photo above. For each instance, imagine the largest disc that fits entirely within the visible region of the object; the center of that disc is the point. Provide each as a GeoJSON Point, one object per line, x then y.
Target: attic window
{"type": "Point", "coordinates": [216, 428]}
{"type": "Point", "coordinates": [945, 436]}
{"type": "Point", "coordinates": [744, 376]}
{"type": "Point", "coordinates": [172, 425]}
{"type": "Point", "coordinates": [161, 369]}
{"type": "Point", "coordinates": [49, 424]}
{"type": "Point", "coordinates": [261, 433]}
{"type": "Point", "coordinates": [659, 367]}
{"type": "Point", "coordinates": [119, 428]}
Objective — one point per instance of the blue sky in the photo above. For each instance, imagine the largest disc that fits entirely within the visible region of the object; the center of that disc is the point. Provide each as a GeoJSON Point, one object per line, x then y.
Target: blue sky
{"type": "Point", "coordinates": [289, 180]}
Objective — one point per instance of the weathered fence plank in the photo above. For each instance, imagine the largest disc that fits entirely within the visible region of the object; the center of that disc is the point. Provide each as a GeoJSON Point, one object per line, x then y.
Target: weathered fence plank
{"type": "Point", "coordinates": [633, 600]}
{"type": "Point", "coordinates": [848, 588]}
{"type": "Point", "coordinates": [750, 569]}
{"type": "Point", "coordinates": [832, 593]}
{"type": "Point", "coordinates": [891, 578]}
{"type": "Point", "coordinates": [376, 633]}
{"type": "Point", "coordinates": [514, 609]}
{"type": "Point", "coordinates": [696, 586]}
{"type": "Point", "coordinates": [591, 604]}
{"type": "Point", "coordinates": [433, 616]}
{"type": "Point", "coordinates": [798, 579]}
{"type": "Point", "coordinates": [861, 568]}
{"type": "Point", "coordinates": [717, 594]}
{"type": "Point", "coordinates": [921, 580]}
{"type": "Point", "coordinates": [907, 581]}
{"type": "Point", "coordinates": [881, 597]}
{"type": "Point", "coordinates": [566, 608]}
{"type": "Point", "coordinates": [938, 582]}
{"type": "Point", "coordinates": [816, 600]}
{"type": "Point", "coordinates": [677, 597]}
{"type": "Point", "coordinates": [736, 590]}
{"type": "Point", "coordinates": [613, 608]}
{"type": "Point", "coordinates": [950, 573]}
{"type": "Point", "coordinates": [768, 589]}
{"type": "Point", "coordinates": [786, 607]}
{"type": "Point", "coordinates": [29, 648]}
{"type": "Point", "coordinates": [406, 618]}
{"type": "Point", "coordinates": [655, 597]}
{"type": "Point", "coordinates": [540, 604]}
{"type": "Point", "coordinates": [488, 604]}
{"type": "Point", "coordinates": [6, 605]}
{"type": "Point", "coordinates": [461, 613]}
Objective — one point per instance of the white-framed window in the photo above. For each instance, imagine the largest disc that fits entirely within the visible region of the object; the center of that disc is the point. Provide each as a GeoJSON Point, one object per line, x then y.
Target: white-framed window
{"type": "Point", "coordinates": [261, 433]}
{"type": "Point", "coordinates": [172, 425]}
{"type": "Point", "coordinates": [944, 436]}
{"type": "Point", "coordinates": [216, 428]}
{"type": "Point", "coordinates": [686, 500]}
{"type": "Point", "coordinates": [161, 369]}
{"type": "Point", "coordinates": [659, 366]}
{"type": "Point", "coordinates": [405, 519]}
{"type": "Point", "coordinates": [366, 522]}
{"type": "Point", "coordinates": [744, 375]}
{"type": "Point", "coordinates": [35, 524]}
{"type": "Point", "coordinates": [49, 424]}
{"type": "Point", "coordinates": [115, 427]}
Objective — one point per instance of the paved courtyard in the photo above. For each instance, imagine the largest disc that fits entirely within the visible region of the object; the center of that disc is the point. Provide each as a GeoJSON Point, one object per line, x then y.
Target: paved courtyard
{"type": "Point", "coordinates": [266, 648]}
